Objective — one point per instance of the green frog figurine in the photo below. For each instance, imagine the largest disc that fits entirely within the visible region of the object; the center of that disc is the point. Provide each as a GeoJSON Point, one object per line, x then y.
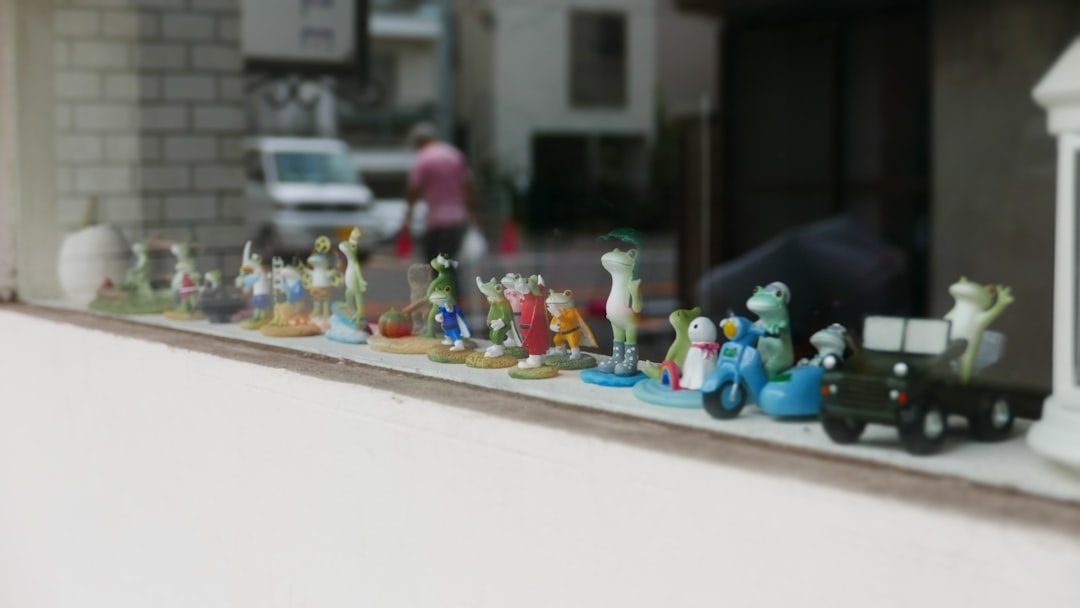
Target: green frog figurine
{"type": "Point", "coordinates": [770, 304]}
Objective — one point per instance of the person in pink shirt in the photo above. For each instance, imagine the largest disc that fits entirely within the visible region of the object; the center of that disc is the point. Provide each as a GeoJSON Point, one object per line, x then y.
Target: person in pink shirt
{"type": "Point", "coordinates": [441, 177]}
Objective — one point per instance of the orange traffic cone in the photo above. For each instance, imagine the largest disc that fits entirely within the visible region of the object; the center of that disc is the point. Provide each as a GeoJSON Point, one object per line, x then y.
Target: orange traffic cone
{"type": "Point", "coordinates": [509, 242]}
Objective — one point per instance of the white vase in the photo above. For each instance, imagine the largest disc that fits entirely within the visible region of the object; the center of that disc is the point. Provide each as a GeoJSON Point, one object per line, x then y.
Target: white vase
{"type": "Point", "coordinates": [88, 257]}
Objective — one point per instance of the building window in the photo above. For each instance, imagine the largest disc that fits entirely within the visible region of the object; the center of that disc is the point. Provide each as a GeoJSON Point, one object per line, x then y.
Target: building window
{"type": "Point", "coordinates": [597, 59]}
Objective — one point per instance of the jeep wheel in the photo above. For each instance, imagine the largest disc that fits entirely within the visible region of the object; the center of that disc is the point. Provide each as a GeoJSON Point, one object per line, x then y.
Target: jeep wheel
{"type": "Point", "coordinates": [843, 430]}
{"type": "Point", "coordinates": [923, 427]}
{"type": "Point", "coordinates": [994, 419]}
{"type": "Point", "coordinates": [726, 402]}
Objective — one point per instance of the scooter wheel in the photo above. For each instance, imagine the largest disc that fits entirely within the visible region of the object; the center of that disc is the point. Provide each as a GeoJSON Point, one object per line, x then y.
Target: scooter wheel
{"type": "Point", "coordinates": [725, 402]}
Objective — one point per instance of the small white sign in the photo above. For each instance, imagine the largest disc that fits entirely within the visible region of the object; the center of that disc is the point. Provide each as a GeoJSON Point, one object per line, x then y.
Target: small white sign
{"type": "Point", "coordinates": [311, 31]}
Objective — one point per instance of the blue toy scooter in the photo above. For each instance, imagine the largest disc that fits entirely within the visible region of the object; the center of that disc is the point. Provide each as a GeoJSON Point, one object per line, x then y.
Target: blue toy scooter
{"type": "Point", "coordinates": [739, 375]}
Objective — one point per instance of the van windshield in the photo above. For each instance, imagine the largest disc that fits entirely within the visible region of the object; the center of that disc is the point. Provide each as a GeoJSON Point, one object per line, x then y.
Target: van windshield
{"type": "Point", "coordinates": [315, 168]}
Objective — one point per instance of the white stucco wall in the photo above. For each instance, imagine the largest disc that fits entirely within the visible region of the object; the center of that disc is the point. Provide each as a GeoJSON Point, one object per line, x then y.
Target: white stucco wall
{"type": "Point", "coordinates": [137, 474]}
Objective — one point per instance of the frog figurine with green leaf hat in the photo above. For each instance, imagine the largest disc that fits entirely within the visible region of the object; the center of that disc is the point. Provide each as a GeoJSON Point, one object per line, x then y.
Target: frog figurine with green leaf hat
{"type": "Point", "coordinates": [624, 304]}
{"type": "Point", "coordinates": [770, 304]}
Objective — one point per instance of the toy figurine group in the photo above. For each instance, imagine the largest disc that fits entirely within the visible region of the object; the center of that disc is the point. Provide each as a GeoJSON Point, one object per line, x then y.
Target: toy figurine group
{"type": "Point", "coordinates": [908, 373]}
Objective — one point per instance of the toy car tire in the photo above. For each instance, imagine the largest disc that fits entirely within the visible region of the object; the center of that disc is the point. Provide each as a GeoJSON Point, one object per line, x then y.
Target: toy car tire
{"type": "Point", "coordinates": [923, 427]}
{"type": "Point", "coordinates": [843, 430]}
{"type": "Point", "coordinates": [994, 419]}
{"type": "Point", "coordinates": [725, 402]}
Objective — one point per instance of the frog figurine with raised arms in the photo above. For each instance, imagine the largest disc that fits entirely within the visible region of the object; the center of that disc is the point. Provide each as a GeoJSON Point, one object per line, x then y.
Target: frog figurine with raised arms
{"type": "Point", "coordinates": [769, 303]}
{"type": "Point", "coordinates": [976, 307]}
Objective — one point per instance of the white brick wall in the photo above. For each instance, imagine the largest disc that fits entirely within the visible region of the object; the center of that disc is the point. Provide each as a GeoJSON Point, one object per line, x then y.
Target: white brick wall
{"type": "Point", "coordinates": [85, 54]}
{"type": "Point", "coordinates": [187, 26]}
{"type": "Point", "coordinates": [216, 58]}
{"type": "Point", "coordinates": [161, 56]}
{"type": "Point", "coordinates": [184, 147]}
{"type": "Point", "coordinates": [188, 88]}
{"type": "Point", "coordinates": [77, 85]}
{"type": "Point", "coordinates": [150, 118]}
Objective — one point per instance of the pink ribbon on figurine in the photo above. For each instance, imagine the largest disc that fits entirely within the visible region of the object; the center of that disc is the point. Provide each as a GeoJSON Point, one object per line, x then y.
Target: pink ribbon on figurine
{"type": "Point", "coordinates": [710, 348]}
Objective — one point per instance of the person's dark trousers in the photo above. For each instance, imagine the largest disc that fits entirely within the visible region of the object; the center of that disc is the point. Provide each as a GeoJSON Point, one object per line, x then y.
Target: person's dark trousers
{"type": "Point", "coordinates": [445, 240]}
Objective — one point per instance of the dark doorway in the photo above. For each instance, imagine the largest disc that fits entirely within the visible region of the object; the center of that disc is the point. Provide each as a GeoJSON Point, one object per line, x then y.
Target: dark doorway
{"type": "Point", "coordinates": [825, 113]}
{"type": "Point", "coordinates": [587, 183]}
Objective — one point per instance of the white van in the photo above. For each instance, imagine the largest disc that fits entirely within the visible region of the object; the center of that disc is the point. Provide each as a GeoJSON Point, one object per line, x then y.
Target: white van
{"type": "Point", "coordinates": [301, 188]}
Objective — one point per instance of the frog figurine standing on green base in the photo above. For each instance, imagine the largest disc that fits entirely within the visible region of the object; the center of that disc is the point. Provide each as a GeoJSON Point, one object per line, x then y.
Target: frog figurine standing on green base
{"type": "Point", "coordinates": [503, 330]}
{"type": "Point", "coordinates": [185, 284]}
{"type": "Point", "coordinates": [569, 331]}
{"type": "Point", "coordinates": [455, 330]}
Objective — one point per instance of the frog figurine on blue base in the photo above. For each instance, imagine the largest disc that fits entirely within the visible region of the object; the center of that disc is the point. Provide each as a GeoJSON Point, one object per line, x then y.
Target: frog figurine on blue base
{"type": "Point", "coordinates": [624, 304]}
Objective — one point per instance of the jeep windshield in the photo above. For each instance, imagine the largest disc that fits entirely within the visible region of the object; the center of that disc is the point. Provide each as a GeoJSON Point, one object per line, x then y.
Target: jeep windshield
{"type": "Point", "coordinates": [315, 168]}
{"type": "Point", "coordinates": [907, 336]}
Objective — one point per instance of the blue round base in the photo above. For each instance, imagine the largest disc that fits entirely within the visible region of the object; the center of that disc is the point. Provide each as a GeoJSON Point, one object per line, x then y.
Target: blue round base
{"type": "Point", "coordinates": [348, 337]}
{"type": "Point", "coordinates": [343, 329]}
{"type": "Point", "coordinates": [653, 392]}
{"type": "Point", "coordinates": [595, 376]}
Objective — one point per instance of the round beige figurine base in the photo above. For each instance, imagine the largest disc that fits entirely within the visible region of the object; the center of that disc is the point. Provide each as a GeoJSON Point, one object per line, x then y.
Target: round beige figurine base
{"type": "Point", "coordinates": [177, 315]}
{"type": "Point", "coordinates": [409, 345]}
{"type": "Point", "coordinates": [290, 331]}
{"type": "Point", "coordinates": [253, 324]}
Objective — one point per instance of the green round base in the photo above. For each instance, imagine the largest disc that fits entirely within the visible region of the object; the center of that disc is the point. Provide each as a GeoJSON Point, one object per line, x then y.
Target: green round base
{"type": "Point", "coordinates": [565, 362]}
{"type": "Point", "coordinates": [479, 361]}
{"type": "Point", "coordinates": [443, 354]}
{"type": "Point", "coordinates": [533, 373]}
{"type": "Point", "coordinates": [517, 352]}
{"type": "Point", "coordinates": [156, 305]}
